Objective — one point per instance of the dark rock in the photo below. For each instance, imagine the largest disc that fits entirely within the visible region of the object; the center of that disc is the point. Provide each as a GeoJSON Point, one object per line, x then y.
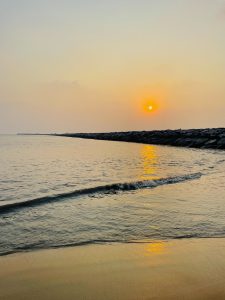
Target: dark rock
{"type": "Point", "coordinates": [213, 138]}
{"type": "Point", "coordinates": [210, 143]}
{"type": "Point", "coordinates": [221, 140]}
{"type": "Point", "coordinates": [221, 143]}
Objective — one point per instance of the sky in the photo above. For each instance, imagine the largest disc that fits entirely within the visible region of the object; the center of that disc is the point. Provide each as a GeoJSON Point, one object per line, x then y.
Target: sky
{"type": "Point", "coordinates": [96, 65]}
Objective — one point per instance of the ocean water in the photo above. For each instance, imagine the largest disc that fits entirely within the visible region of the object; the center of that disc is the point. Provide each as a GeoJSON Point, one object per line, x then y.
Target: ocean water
{"type": "Point", "coordinates": [58, 191]}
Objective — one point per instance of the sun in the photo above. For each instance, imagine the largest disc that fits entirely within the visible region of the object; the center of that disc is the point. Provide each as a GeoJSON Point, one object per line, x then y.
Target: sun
{"type": "Point", "coordinates": [150, 107]}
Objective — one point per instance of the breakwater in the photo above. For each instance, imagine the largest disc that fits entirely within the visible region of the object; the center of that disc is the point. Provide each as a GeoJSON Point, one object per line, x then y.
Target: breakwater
{"type": "Point", "coordinates": [210, 138]}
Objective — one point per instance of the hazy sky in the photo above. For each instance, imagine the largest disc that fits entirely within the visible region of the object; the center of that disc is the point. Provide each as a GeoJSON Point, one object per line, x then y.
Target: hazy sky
{"type": "Point", "coordinates": [92, 65]}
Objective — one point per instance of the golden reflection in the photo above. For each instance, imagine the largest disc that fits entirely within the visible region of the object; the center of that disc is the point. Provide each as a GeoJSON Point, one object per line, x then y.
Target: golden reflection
{"type": "Point", "coordinates": [155, 248]}
{"type": "Point", "coordinates": [149, 159]}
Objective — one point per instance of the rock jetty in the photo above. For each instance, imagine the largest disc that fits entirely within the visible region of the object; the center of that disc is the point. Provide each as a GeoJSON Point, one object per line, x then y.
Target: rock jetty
{"type": "Point", "coordinates": [211, 138]}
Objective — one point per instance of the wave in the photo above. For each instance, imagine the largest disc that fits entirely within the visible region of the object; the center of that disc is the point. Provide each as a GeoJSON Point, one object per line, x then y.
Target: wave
{"type": "Point", "coordinates": [32, 247]}
{"type": "Point", "coordinates": [110, 188]}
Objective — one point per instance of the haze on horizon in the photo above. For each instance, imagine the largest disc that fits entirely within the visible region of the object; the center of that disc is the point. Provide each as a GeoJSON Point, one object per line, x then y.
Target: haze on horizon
{"type": "Point", "coordinates": [85, 66]}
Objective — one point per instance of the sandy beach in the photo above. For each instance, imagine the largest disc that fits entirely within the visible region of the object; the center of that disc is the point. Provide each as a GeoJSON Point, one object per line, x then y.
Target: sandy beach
{"type": "Point", "coordinates": [181, 269]}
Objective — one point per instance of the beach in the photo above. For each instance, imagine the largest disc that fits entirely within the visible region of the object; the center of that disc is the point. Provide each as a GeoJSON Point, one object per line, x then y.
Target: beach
{"type": "Point", "coordinates": [178, 269]}
{"type": "Point", "coordinates": [112, 150]}
{"type": "Point", "coordinates": [103, 220]}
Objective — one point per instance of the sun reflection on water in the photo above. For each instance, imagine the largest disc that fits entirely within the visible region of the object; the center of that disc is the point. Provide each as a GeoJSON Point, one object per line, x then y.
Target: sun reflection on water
{"type": "Point", "coordinates": [155, 248]}
{"type": "Point", "coordinates": [149, 159]}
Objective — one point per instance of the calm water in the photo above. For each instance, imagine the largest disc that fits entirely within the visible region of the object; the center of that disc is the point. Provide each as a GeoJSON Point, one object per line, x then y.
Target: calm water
{"type": "Point", "coordinates": [57, 191]}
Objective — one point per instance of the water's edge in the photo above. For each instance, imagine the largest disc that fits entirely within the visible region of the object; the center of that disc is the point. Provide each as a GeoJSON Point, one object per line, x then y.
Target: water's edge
{"type": "Point", "coordinates": [28, 249]}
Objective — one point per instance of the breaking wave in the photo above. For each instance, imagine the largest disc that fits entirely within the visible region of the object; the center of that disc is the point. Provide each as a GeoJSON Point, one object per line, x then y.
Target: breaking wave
{"type": "Point", "coordinates": [110, 188]}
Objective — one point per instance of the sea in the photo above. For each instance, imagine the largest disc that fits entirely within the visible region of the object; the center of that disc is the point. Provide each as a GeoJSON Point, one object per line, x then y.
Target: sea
{"type": "Point", "coordinates": [59, 192]}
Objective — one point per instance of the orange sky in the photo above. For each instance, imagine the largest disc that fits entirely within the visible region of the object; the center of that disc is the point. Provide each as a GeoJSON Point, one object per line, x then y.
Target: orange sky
{"type": "Point", "coordinates": [72, 66]}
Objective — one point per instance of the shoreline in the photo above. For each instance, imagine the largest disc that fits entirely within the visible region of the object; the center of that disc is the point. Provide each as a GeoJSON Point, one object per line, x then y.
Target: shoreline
{"type": "Point", "coordinates": [212, 138]}
{"type": "Point", "coordinates": [181, 269]}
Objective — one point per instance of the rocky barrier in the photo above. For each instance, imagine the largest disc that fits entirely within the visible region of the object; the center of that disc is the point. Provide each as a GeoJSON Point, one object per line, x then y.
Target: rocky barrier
{"type": "Point", "coordinates": [213, 138]}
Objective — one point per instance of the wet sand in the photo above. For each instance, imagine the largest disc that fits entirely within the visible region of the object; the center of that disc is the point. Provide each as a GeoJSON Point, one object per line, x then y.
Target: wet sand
{"type": "Point", "coordinates": [181, 269]}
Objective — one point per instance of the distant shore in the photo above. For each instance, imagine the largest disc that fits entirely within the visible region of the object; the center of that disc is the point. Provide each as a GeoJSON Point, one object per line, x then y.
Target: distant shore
{"type": "Point", "coordinates": [209, 138]}
{"type": "Point", "coordinates": [183, 269]}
